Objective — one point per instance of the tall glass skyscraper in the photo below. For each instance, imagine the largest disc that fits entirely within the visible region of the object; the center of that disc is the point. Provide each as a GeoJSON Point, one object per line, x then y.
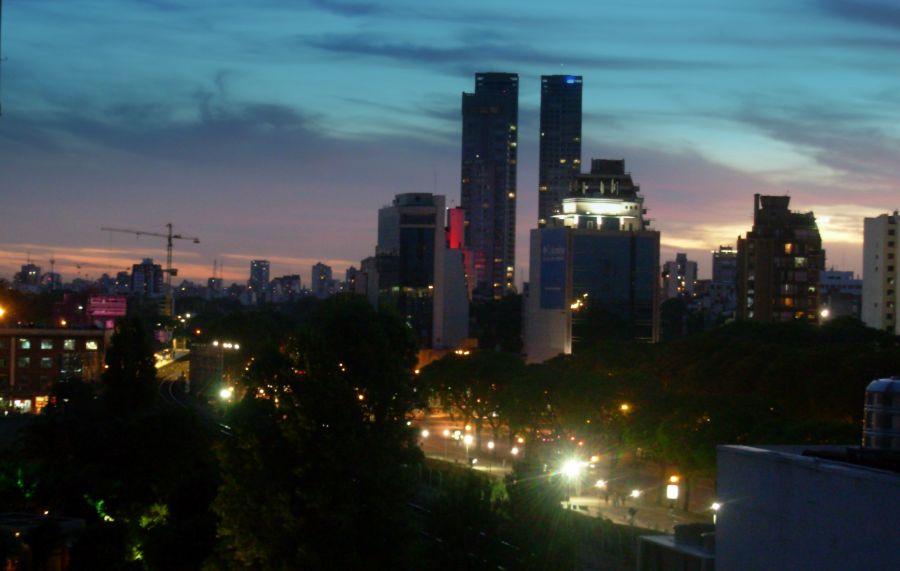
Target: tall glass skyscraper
{"type": "Point", "coordinates": [560, 151]}
{"type": "Point", "coordinates": [488, 189]}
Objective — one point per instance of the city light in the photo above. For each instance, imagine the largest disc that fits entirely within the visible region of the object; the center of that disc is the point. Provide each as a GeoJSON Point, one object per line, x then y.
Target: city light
{"type": "Point", "coordinates": [467, 439]}
{"type": "Point", "coordinates": [514, 451]}
{"type": "Point", "coordinates": [572, 468]}
{"type": "Point", "coordinates": [625, 407]}
{"type": "Point", "coordinates": [601, 484]}
{"type": "Point", "coordinates": [2, 311]}
{"type": "Point", "coordinates": [715, 506]}
{"type": "Point", "coordinates": [425, 433]}
{"type": "Point", "coordinates": [672, 492]}
{"type": "Point", "coordinates": [226, 393]}
{"type": "Point", "coordinates": [446, 433]}
{"type": "Point", "coordinates": [635, 494]}
{"type": "Point", "coordinates": [490, 445]}
{"type": "Point", "coordinates": [825, 313]}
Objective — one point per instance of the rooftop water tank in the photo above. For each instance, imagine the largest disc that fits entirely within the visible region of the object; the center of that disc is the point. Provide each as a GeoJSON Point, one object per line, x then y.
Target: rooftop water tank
{"type": "Point", "coordinates": [881, 424]}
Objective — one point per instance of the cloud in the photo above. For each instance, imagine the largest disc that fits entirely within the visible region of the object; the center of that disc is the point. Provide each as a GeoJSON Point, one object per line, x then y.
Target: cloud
{"type": "Point", "coordinates": [881, 14]}
{"type": "Point", "coordinates": [481, 52]}
{"type": "Point", "coordinates": [351, 8]}
{"type": "Point", "coordinates": [848, 141]}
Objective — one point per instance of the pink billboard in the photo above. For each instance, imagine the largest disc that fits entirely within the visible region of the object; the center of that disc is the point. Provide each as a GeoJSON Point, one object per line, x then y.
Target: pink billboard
{"type": "Point", "coordinates": [107, 306]}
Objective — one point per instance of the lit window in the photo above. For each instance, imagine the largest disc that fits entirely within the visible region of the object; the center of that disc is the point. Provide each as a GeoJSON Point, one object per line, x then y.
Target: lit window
{"type": "Point", "coordinates": [788, 248]}
{"type": "Point", "coordinates": [24, 343]}
{"type": "Point", "coordinates": [46, 344]}
{"type": "Point", "coordinates": [69, 344]}
{"type": "Point", "coordinates": [90, 345]}
{"type": "Point", "coordinates": [23, 362]}
{"type": "Point", "coordinates": [46, 362]}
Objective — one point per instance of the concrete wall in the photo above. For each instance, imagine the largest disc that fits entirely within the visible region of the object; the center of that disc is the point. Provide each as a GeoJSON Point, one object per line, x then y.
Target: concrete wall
{"type": "Point", "coordinates": [784, 511]}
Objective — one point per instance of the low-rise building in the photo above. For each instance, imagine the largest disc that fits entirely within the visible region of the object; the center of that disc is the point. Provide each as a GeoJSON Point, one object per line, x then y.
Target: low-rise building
{"type": "Point", "coordinates": [33, 360]}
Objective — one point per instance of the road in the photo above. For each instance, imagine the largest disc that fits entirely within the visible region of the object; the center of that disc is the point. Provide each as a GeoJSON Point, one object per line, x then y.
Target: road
{"type": "Point", "coordinates": [440, 443]}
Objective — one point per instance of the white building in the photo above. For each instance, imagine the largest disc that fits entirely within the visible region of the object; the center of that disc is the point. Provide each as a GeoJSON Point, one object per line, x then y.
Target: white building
{"type": "Point", "coordinates": [792, 507]}
{"type": "Point", "coordinates": [881, 255]}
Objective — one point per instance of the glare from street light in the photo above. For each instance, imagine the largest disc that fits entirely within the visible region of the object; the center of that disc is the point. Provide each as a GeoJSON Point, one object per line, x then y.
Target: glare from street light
{"type": "Point", "coordinates": [446, 433]}
{"type": "Point", "coordinates": [601, 484]}
{"type": "Point", "coordinates": [625, 407]}
{"type": "Point", "coordinates": [226, 393]}
{"type": "Point", "coordinates": [490, 445]}
{"type": "Point", "coordinates": [514, 451]}
{"type": "Point", "coordinates": [825, 313]}
{"type": "Point", "coordinates": [467, 439]}
{"type": "Point", "coordinates": [425, 433]}
{"type": "Point", "coordinates": [635, 494]}
{"type": "Point", "coordinates": [572, 468]}
{"type": "Point", "coordinates": [715, 506]}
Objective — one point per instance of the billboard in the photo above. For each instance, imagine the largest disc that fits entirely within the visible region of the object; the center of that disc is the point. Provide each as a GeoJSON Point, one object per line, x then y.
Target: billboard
{"type": "Point", "coordinates": [100, 306]}
{"type": "Point", "coordinates": [553, 268]}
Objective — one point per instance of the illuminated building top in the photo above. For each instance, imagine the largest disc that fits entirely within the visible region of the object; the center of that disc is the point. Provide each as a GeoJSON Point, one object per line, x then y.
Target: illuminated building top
{"type": "Point", "coordinates": [604, 199]}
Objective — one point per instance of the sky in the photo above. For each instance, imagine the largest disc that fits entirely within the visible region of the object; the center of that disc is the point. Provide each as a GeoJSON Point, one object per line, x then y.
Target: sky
{"type": "Point", "coordinates": [276, 128]}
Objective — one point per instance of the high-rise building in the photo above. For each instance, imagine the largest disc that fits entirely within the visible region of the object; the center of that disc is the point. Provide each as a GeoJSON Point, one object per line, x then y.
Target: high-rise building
{"type": "Point", "coordinates": [560, 149]}
{"type": "Point", "coordinates": [679, 277]}
{"type": "Point", "coordinates": [778, 263]}
{"type": "Point", "coordinates": [418, 273]}
{"type": "Point", "coordinates": [599, 257]}
{"type": "Point", "coordinates": [322, 281]}
{"type": "Point", "coordinates": [147, 279]}
{"type": "Point", "coordinates": [720, 299]}
{"type": "Point", "coordinates": [258, 284]}
{"type": "Point", "coordinates": [488, 183]}
{"type": "Point", "coordinates": [881, 272]}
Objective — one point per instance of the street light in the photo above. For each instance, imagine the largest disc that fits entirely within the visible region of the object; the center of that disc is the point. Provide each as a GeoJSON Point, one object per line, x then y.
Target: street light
{"type": "Point", "coordinates": [715, 509]}
{"type": "Point", "coordinates": [490, 445]}
{"type": "Point", "coordinates": [635, 494]}
{"type": "Point", "coordinates": [514, 451]}
{"type": "Point", "coordinates": [425, 433]}
{"type": "Point", "coordinates": [467, 440]}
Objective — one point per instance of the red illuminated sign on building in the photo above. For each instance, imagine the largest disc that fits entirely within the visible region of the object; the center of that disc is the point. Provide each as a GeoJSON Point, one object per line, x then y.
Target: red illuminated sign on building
{"type": "Point", "coordinates": [107, 306]}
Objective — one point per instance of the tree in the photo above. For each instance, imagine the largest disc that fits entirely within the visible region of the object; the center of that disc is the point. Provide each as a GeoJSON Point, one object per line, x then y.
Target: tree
{"type": "Point", "coordinates": [318, 470]}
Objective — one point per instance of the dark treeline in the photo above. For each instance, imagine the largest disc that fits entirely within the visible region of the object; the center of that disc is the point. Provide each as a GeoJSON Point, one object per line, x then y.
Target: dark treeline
{"type": "Point", "coordinates": [744, 383]}
{"type": "Point", "coordinates": [313, 465]}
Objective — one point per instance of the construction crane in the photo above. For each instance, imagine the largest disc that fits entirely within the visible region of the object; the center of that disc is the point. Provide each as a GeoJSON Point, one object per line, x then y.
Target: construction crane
{"type": "Point", "coordinates": [169, 271]}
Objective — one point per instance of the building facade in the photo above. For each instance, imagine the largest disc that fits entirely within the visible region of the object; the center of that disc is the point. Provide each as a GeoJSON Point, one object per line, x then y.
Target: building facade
{"type": "Point", "coordinates": [258, 283]}
{"type": "Point", "coordinates": [679, 277]}
{"type": "Point", "coordinates": [490, 118]}
{"type": "Point", "coordinates": [33, 360]}
{"type": "Point", "coordinates": [147, 279]}
{"type": "Point", "coordinates": [840, 294]}
{"type": "Point", "coordinates": [778, 264]}
{"type": "Point", "coordinates": [418, 274]}
{"type": "Point", "coordinates": [560, 143]}
{"type": "Point", "coordinates": [881, 273]}
{"type": "Point", "coordinates": [322, 281]}
{"type": "Point", "coordinates": [599, 258]}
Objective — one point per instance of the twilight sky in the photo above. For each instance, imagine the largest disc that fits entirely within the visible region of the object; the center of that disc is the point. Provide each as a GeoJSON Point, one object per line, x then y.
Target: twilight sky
{"type": "Point", "coordinates": [276, 128]}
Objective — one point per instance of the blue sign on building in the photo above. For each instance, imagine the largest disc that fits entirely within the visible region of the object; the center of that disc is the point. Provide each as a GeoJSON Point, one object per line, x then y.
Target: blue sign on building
{"type": "Point", "coordinates": [553, 268]}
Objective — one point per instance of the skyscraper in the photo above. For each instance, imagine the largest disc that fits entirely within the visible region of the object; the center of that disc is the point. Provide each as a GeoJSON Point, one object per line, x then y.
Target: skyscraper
{"type": "Point", "coordinates": [560, 151]}
{"type": "Point", "coordinates": [778, 263]}
{"type": "Point", "coordinates": [488, 183]}
{"type": "Point", "coordinates": [679, 277]}
{"type": "Point", "coordinates": [147, 278]}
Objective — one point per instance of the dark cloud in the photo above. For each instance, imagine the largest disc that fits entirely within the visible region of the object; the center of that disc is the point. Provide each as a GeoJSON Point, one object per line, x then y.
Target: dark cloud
{"type": "Point", "coordinates": [882, 14]}
{"type": "Point", "coordinates": [482, 52]}
{"type": "Point", "coordinates": [841, 138]}
{"type": "Point", "coordinates": [351, 8]}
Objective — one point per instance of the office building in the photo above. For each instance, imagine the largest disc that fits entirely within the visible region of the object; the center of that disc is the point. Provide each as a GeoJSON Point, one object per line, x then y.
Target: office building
{"type": "Point", "coordinates": [881, 273]}
{"type": "Point", "coordinates": [679, 278]}
{"type": "Point", "coordinates": [147, 279]}
{"type": "Point", "coordinates": [418, 274]}
{"type": "Point", "coordinates": [600, 257]}
{"type": "Point", "coordinates": [258, 284]}
{"type": "Point", "coordinates": [778, 263]}
{"type": "Point", "coordinates": [29, 277]}
{"type": "Point", "coordinates": [560, 148]}
{"type": "Point", "coordinates": [488, 180]}
{"type": "Point", "coordinates": [322, 281]}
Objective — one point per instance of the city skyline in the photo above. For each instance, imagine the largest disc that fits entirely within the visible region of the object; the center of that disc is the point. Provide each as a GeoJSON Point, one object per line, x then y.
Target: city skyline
{"type": "Point", "coordinates": [250, 132]}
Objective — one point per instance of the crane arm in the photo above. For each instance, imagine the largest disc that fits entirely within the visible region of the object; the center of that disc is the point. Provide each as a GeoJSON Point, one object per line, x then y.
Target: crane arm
{"type": "Point", "coordinates": [156, 234]}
